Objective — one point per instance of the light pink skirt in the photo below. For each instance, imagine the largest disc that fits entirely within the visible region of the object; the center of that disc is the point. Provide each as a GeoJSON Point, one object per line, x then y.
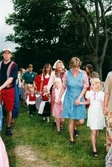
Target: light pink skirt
{"type": "Point", "coordinates": [57, 110]}
{"type": "Point", "coordinates": [4, 162]}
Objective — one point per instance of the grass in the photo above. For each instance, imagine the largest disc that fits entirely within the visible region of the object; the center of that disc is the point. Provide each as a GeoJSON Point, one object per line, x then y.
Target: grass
{"type": "Point", "coordinates": [55, 149]}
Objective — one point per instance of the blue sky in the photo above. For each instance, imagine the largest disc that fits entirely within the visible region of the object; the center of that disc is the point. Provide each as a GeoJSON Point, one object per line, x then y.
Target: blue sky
{"type": "Point", "coordinates": [6, 7]}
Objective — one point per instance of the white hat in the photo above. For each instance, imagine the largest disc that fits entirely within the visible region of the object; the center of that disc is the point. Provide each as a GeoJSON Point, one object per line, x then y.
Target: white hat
{"type": "Point", "coordinates": [8, 49]}
{"type": "Point", "coordinates": [54, 66]}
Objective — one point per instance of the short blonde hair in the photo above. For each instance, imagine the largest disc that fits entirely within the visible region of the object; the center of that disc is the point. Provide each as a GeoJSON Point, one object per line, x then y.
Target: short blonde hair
{"type": "Point", "coordinates": [94, 74]}
{"type": "Point", "coordinates": [98, 82]}
{"type": "Point", "coordinates": [29, 86]}
{"type": "Point", "coordinates": [75, 62]}
{"type": "Point", "coordinates": [58, 80]}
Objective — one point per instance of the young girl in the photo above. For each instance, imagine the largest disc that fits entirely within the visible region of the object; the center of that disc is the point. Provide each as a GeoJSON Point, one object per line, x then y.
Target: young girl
{"type": "Point", "coordinates": [96, 119]}
{"type": "Point", "coordinates": [57, 108]}
{"type": "Point", "coordinates": [26, 95]}
{"type": "Point", "coordinates": [45, 107]}
{"type": "Point", "coordinates": [31, 101]}
{"type": "Point", "coordinates": [47, 69]}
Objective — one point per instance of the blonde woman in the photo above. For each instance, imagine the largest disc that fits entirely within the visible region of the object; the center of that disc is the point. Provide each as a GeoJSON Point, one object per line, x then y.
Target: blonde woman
{"type": "Point", "coordinates": [75, 84]}
{"type": "Point", "coordinates": [59, 71]}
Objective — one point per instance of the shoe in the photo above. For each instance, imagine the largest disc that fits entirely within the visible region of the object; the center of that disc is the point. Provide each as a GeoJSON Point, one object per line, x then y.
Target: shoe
{"type": "Point", "coordinates": [8, 132]}
{"type": "Point", "coordinates": [76, 133]}
{"type": "Point", "coordinates": [95, 154]}
{"type": "Point", "coordinates": [71, 143]}
{"type": "Point", "coordinates": [48, 120]}
{"type": "Point", "coordinates": [44, 119]}
{"type": "Point", "coordinates": [54, 124]}
{"type": "Point", "coordinates": [58, 132]}
{"type": "Point", "coordinates": [62, 128]}
{"type": "Point", "coordinates": [31, 115]}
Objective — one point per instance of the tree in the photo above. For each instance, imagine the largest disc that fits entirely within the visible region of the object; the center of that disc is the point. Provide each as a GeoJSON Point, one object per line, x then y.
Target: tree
{"type": "Point", "coordinates": [94, 27]}
{"type": "Point", "coordinates": [49, 30]}
{"type": "Point", "coordinates": [37, 27]}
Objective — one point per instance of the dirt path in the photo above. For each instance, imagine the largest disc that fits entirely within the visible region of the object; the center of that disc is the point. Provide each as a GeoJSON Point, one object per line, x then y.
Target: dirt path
{"type": "Point", "coordinates": [29, 158]}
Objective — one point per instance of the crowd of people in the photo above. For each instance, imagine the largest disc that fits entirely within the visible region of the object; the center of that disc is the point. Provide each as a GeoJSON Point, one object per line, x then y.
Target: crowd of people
{"type": "Point", "coordinates": [74, 94]}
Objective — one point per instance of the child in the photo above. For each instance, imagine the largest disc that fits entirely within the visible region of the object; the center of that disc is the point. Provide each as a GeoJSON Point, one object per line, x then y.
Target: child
{"type": "Point", "coordinates": [57, 108]}
{"type": "Point", "coordinates": [26, 95]}
{"type": "Point", "coordinates": [45, 108]}
{"type": "Point", "coordinates": [96, 119]}
{"type": "Point", "coordinates": [31, 101]}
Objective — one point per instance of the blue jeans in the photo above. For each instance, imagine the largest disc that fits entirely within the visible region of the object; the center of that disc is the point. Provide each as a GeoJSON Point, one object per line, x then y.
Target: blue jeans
{"type": "Point", "coordinates": [15, 111]}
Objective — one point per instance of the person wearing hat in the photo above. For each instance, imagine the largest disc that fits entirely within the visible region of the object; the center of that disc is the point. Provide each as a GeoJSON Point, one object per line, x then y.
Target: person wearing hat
{"type": "Point", "coordinates": [8, 76]}
{"type": "Point", "coordinates": [59, 71]}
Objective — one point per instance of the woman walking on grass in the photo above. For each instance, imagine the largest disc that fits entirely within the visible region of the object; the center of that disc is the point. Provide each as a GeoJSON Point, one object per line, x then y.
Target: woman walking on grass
{"type": "Point", "coordinates": [75, 83]}
{"type": "Point", "coordinates": [59, 71]}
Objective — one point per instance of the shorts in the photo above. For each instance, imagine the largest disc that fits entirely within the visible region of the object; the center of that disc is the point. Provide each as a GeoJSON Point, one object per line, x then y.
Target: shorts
{"type": "Point", "coordinates": [7, 96]}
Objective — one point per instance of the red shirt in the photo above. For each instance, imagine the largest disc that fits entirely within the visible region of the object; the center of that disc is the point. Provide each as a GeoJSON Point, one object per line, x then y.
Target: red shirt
{"type": "Point", "coordinates": [32, 97]}
{"type": "Point", "coordinates": [45, 80]}
{"type": "Point", "coordinates": [38, 82]}
{"type": "Point", "coordinates": [44, 97]}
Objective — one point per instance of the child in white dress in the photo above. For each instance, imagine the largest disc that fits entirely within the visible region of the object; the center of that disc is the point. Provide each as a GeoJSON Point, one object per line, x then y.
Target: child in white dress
{"type": "Point", "coordinates": [96, 118]}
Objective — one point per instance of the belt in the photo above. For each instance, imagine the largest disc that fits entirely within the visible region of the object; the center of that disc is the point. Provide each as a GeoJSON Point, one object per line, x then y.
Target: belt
{"type": "Point", "coordinates": [29, 83]}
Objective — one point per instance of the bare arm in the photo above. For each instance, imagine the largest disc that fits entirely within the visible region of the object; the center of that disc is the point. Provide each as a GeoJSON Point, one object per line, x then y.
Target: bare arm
{"type": "Point", "coordinates": [85, 102]}
{"type": "Point", "coordinates": [51, 81]}
{"type": "Point", "coordinates": [77, 101]}
{"type": "Point", "coordinates": [61, 94]}
{"type": "Point", "coordinates": [23, 82]}
{"type": "Point", "coordinates": [6, 83]}
{"type": "Point", "coordinates": [105, 104]}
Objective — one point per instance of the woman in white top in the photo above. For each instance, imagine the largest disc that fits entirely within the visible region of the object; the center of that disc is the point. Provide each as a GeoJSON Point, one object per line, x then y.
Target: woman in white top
{"type": "Point", "coordinates": [59, 71]}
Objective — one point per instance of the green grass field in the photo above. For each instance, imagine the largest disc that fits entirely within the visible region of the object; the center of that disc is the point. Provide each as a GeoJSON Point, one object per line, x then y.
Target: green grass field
{"type": "Point", "coordinates": [55, 149]}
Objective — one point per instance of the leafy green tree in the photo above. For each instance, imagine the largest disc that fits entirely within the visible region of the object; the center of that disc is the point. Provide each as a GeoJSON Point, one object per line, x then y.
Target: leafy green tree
{"type": "Point", "coordinates": [49, 30]}
{"type": "Point", "coordinates": [94, 27]}
{"type": "Point", "coordinates": [37, 26]}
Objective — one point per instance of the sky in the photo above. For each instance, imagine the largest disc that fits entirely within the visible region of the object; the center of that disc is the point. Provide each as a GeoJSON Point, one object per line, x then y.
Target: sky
{"type": "Point", "coordinates": [6, 7]}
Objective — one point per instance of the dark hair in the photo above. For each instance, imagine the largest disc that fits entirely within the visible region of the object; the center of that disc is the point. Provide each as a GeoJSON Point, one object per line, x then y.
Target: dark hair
{"type": "Point", "coordinates": [40, 71]}
{"type": "Point", "coordinates": [90, 67]}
